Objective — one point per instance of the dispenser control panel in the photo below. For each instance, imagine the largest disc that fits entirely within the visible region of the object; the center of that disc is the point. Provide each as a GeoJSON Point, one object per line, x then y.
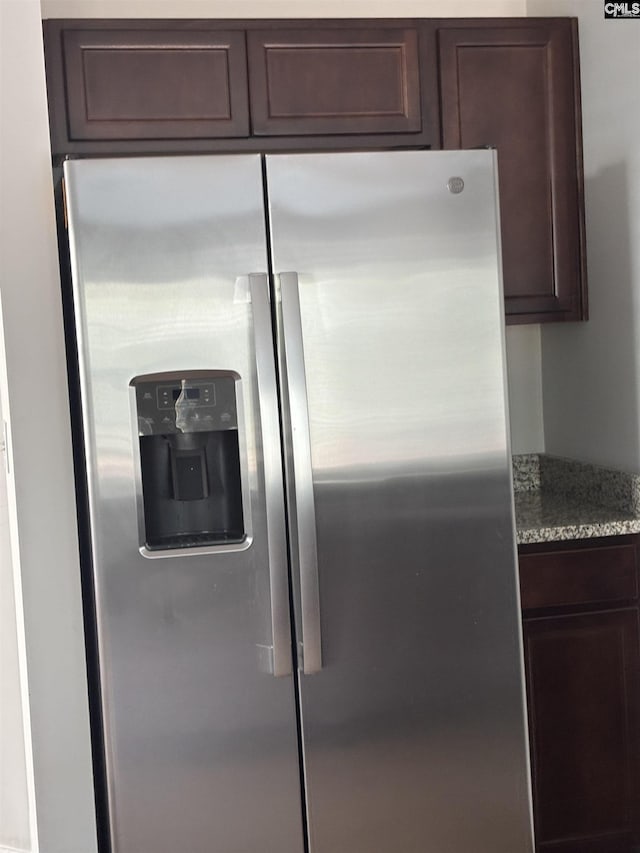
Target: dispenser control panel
{"type": "Point", "coordinates": [211, 404]}
{"type": "Point", "coordinates": [202, 394]}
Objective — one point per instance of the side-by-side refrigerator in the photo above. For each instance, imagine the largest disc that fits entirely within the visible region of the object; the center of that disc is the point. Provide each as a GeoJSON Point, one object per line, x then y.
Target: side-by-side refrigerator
{"type": "Point", "coordinates": [300, 561]}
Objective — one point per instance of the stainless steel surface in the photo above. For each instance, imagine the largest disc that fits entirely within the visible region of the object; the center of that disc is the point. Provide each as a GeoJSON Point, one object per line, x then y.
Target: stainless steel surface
{"type": "Point", "coordinates": [201, 745]}
{"type": "Point", "coordinates": [398, 478]}
{"type": "Point", "coordinates": [414, 732]}
{"type": "Point", "coordinates": [280, 650]}
{"type": "Point", "coordinates": [306, 557]}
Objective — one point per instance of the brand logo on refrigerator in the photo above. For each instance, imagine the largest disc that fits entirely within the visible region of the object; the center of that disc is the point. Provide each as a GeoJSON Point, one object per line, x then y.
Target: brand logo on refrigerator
{"type": "Point", "coordinates": [621, 10]}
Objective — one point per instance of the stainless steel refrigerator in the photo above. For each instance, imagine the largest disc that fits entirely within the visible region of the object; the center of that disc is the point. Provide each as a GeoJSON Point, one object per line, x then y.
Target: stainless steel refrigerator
{"type": "Point", "coordinates": [300, 546]}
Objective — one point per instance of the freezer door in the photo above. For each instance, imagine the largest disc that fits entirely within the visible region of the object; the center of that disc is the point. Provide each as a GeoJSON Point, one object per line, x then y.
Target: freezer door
{"type": "Point", "coordinates": [173, 325]}
{"type": "Point", "coordinates": [402, 529]}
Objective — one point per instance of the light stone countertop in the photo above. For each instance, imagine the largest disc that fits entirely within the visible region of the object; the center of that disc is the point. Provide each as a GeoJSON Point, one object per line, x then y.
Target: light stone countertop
{"type": "Point", "coordinates": [561, 499]}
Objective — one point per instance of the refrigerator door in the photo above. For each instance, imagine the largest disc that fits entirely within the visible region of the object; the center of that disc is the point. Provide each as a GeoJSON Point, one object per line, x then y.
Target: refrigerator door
{"type": "Point", "coordinates": [412, 711]}
{"type": "Point", "coordinates": [168, 265]}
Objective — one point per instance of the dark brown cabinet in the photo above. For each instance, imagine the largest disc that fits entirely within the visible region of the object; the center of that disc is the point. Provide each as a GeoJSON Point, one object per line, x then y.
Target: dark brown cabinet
{"type": "Point", "coordinates": [334, 81]}
{"type": "Point", "coordinates": [515, 87]}
{"type": "Point", "coordinates": [118, 87]}
{"type": "Point", "coordinates": [582, 664]}
{"type": "Point", "coordinates": [154, 86]}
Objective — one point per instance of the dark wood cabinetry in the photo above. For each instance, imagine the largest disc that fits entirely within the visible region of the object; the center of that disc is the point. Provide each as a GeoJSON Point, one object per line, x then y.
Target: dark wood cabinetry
{"type": "Point", "coordinates": [153, 86]}
{"type": "Point", "coordinates": [582, 663]}
{"type": "Point", "coordinates": [334, 81]}
{"type": "Point", "coordinates": [515, 87]}
{"type": "Point", "coordinates": [118, 87]}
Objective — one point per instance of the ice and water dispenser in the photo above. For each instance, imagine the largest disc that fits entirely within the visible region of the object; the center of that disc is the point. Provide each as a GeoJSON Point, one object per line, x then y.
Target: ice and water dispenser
{"type": "Point", "coordinates": [189, 459]}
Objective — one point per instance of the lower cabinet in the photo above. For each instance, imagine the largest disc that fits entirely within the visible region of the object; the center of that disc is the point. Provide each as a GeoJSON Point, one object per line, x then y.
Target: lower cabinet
{"type": "Point", "coordinates": [582, 664]}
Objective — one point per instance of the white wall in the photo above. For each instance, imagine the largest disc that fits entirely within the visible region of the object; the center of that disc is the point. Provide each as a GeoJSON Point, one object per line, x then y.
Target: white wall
{"type": "Point", "coordinates": [591, 371]}
{"type": "Point", "coordinates": [41, 496]}
{"type": "Point", "coordinates": [278, 8]}
{"type": "Point", "coordinates": [15, 753]}
{"type": "Point", "coordinates": [524, 377]}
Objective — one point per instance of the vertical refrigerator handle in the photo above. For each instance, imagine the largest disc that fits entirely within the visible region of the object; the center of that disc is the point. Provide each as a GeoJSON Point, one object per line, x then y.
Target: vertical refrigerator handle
{"type": "Point", "coordinates": [281, 656]}
{"type": "Point", "coordinates": [305, 514]}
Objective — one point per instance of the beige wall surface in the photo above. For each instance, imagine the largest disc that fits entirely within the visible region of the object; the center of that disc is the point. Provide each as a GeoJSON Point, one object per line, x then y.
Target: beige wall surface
{"type": "Point", "coordinates": [524, 379]}
{"type": "Point", "coordinates": [591, 371]}
{"type": "Point", "coordinates": [41, 497]}
{"type": "Point", "coordinates": [15, 757]}
{"type": "Point", "coordinates": [279, 8]}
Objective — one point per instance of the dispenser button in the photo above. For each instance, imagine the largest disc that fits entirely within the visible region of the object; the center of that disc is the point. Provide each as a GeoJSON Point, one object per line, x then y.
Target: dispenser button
{"type": "Point", "coordinates": [166, 396]}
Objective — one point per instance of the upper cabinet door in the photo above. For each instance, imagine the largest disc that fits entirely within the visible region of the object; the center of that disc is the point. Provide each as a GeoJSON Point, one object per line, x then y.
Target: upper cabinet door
{"type": "Point", "coordinates": [149, 83]}
{"type": "Point", "coordinates": [514, 86]}
{"type": "Point", "coordinates": [334, 81]}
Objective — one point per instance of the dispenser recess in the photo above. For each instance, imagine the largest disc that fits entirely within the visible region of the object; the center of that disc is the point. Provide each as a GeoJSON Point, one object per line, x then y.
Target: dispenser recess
{"type": "Point", "coordinates": [190, 473]}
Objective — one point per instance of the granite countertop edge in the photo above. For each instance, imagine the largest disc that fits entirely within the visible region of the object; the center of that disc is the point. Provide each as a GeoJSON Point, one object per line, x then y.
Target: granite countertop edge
{"type": "Point", "coordinates": [559, 500]}
{"type": "Point", "coordinates": [568, 532]}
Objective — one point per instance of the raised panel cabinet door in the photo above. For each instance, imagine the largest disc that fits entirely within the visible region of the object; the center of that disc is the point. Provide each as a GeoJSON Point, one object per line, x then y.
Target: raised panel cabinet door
{"type": "Point", "coordinates": [516, 88]}
{"type": "Point", "coordinates": [334, 81]}
{"type": "Point", "coordinates": [583, 687]}
{"type": "Point", "coordinates": [151, 84]}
